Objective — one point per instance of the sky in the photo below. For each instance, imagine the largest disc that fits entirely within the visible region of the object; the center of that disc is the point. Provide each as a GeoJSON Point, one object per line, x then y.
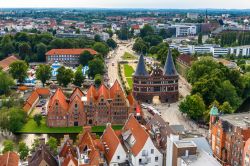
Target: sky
{"type": "Point", "coordinates": [163, 4]}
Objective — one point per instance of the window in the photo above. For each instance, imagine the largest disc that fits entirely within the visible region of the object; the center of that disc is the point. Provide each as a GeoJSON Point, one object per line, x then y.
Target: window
{"type": "Point", "coordinates": [156, 159]}
{"type": "Point", "coordinates": [118, 157]}
{"type": "Point", "coordinates": [139, 161]}
{"type": "Point", "coordinates": [152, 151]}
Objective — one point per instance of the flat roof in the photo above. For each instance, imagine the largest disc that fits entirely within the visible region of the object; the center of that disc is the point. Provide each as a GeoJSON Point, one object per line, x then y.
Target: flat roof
{"type": "Point", "coordinates": [184, 144]}
{"type": "Point", "coordinates": [239, 119]}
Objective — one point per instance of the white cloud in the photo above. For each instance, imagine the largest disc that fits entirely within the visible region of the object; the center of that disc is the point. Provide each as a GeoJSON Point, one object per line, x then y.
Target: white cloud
{"type": "Point", "coordinates": [240, 4]}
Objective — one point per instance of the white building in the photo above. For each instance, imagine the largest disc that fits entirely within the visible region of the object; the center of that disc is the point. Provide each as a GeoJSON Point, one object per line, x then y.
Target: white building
{"type": "Point", "coordinates": [192, 15]}
{"type": "Point", "coordinates": [141, 149]}
{"type": "Point", "coordinates": [188, 153]}
{"type": "Point", "coordinates": [114, 151]}
{"type": "Point", "coordinates": [219, 51]}
{"type": "Point", "coordinates": [240, 51]}
{"type": "Point", "coordinates": [185, 30]}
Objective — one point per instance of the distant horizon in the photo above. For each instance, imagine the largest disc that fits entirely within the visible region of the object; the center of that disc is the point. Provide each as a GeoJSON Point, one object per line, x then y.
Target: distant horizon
{"type": "Point", "coordinates": [129, 4]}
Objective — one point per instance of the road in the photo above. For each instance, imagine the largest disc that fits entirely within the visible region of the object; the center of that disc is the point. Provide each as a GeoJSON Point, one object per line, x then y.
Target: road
{"type": "Point", "coordinates": [114, 57]}
{"type": "Point", "coordinates": [170, 113]}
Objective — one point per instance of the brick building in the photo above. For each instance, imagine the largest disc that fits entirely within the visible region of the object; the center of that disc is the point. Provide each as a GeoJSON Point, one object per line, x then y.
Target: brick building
{"type": "Point", "coordinates": [97, 107]}
{"type": "Point", "coordinates": [227, 136]}
{"type": "Point", "coordinates": [68, 57]}
{"type": "Point", "coordinates": [162, 83]}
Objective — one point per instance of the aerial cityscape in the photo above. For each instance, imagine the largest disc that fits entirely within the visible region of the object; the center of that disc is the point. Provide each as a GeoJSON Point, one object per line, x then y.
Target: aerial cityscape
{"type": "Point", "coordinates": [125, 83]}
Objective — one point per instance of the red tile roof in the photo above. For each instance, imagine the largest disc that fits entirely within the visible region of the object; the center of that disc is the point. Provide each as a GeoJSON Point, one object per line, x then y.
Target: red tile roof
{"type": "Point", "coordinates": [9, 159]}
{"type": "Point", "coordinates": [30, 101]}
{"type": "Point", "coordinates": [185, 58]}
{"type": "Point", "coordinates": [138, 132]}
{"type": "Point", "coordinates": [103, 91]}
{"type": "Point", "coordinates": [110, 139]}
{"type": "Point", "coordinates": [60, 97]}
{"type": "Point", "coordinates": [69, 158]}
{"type": "Point", "coordinates": [5, 63]}
{"type": "Point", "coordinates": [91, 93]}
{"type": "Point", "coordinates": [76, 92]}
{"type": "Point", "coordinates": [75, 51]}
{"type": "Point", "coordinates": [86, 140]}
{"type": "Point", "coordinates": [115, 88]}
{"type": "Point", "coordinates": [43, 91]}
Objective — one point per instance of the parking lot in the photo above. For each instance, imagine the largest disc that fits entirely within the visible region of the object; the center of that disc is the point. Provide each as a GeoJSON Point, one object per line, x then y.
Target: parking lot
{"type": "Point", "coordinates": [40, 108]}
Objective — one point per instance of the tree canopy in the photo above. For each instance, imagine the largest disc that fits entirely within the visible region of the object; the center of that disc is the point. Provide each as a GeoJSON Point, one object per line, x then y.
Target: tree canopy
{"type": "Point", "coordinates": [18, 70]}
{"type": "Point", "coordinates": [43, 73]}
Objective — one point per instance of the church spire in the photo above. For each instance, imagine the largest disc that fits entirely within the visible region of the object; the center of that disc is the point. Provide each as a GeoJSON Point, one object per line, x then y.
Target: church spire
{"type": "Point", "coordinates": [141, 69]}
{"type": "Point", "coordinates": [169, 68]}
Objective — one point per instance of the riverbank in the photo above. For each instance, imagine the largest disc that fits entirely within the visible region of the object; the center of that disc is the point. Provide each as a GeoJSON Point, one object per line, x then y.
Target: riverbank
{"type": "Point", "coordinates": [31, 128]}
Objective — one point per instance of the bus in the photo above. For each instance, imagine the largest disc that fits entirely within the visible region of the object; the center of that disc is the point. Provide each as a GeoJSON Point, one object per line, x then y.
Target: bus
{"type": "Point", "coordinates": [153, 111]}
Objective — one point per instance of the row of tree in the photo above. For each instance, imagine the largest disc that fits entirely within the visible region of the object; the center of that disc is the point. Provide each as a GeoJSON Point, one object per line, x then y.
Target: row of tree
{"type": "Point", "coordinates": [23, 150]}
{"type": "Point", "coordinates": [151, 43]}
{"type": "Point", "coordinates": [32, 47]}
{"type": "Point", "coordinates": [214, 84]}
{"type": "Point", "coordinates": [229, 38]}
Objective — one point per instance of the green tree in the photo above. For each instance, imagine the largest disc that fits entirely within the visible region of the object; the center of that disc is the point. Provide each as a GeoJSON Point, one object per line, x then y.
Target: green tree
{"type": "Point", "coordinates": [97, 38]}
{"type": "Point", "coordinates": [78, 77]}
{"type": "Point", "coordinates": [101, 48]}
{"type": "Point", "coordinates": [96, 66]}
{"type": "Point", "coordinates": [8, 146]}
{"type": "Point", "coordinates": [43, 73]}
{"type": "Point", "coordinates": [18, 70]}
{"type": "Point", "coordinates": [41, 51]}
{"type": "Point", "coordinates": [200, 38]}
{"type": "Point", "coordinates": [35, 144]}
{"type": "Point", "coordinates": [140, 46]}
{"type": "Point", "coordinates": [24, 50]}
{"type": "Point", "coordinates": [8, 48]}
{"type": "Point", "coordinates": [163, 33]}
{"type": "Point", "coordinates": [12, 119]}
{"type": "Point", "coordinates": [64, 76]}
{"type": "Point", "coordinates": [98, 80]}
{"type": "Point", "coordinates": [111, 43]}
{"type": "Point", "coordinates": [226, 108]}
{"type": "Point", "coordinates": [38, 118]}
{"type": "Point", "coordinates": [6, 82]}
{"type": "Point", "coordinates": [85, 57]}
{"type": "Point", "coordinates": [193, 106]}
{"type": "Point", "coordinates": [23, 150]}
{"type": "Point", "coordinates": [124, 33]}
{"type": "Point", "coordinates": [52, 143]}
{"type": "Point", "coordinates": [146, 31]}
{"type": "Point", "coordinates": [153, 40]}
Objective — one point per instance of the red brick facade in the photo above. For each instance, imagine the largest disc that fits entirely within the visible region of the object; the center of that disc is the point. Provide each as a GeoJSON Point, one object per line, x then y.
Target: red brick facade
{"type": "Point", "coordinates": [98, 107]}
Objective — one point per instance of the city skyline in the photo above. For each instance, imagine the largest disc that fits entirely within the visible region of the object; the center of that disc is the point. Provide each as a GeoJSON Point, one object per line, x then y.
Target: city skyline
{"type": "Point", "coordinates": [160, 4]}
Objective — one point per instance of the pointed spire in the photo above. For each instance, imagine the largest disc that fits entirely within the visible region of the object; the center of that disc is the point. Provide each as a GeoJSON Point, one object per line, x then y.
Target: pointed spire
{"type": "Point", "coordinates": [141, 69]}
{"type": "Point", "coordinates": [169, 68]}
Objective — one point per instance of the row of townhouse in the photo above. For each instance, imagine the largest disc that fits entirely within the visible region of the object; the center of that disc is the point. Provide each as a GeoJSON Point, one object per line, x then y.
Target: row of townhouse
{"type": "Point", "coordinates": [132, 145]}
{"type": "Point", "coordinates": [229, 136]}
{"type": "Point", "coordinates": [215, 50]}
{"type": "Point", "coordinates": [97, 107]}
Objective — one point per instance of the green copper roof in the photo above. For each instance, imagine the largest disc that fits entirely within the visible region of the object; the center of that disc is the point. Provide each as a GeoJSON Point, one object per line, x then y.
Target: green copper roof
{"type": "Point", "coordinates": [214, 111]}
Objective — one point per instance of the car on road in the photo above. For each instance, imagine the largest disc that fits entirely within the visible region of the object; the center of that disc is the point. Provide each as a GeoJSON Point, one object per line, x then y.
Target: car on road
{"type": "Point", "coordinates": [144, 106]}
{"type": "Point", "coordinates": [153, 110]}
{"type": "Point", "coordinates": [113, 64]}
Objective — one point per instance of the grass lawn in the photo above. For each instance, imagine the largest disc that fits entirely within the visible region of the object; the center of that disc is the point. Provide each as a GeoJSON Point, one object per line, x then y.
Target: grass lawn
{"type": "Point", "coordinates": [130, 82]}
{"type": "Point", "coordinates": [128, 70]}
{"type": "Point", "coordinates": [128, 56]}
{"type": "Point", "coordinates": [31, 127]}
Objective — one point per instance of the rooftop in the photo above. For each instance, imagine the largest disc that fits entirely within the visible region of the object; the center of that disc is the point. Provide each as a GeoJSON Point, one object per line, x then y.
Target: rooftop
{"type": "Point", "coordinates": [239, 119]}
{"type": "Point", "coordinates": [184, 144]}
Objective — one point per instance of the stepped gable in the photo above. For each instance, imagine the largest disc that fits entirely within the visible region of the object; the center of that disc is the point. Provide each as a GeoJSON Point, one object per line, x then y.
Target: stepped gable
{"type": "Point", "coordinates": [141, 69]}
{"type": "Point", "coordinates": [103, 91]}
{"type": "Point", "coordinates": [70, 159]}
{"type": "Point", "coordinates": [111, 140]}
{"type": "Point", "coordinates": [116, 88]}
{"type": "Point", "coordinates": [76, 92]}
{"type": "Point", "coordinates": [60, 97]}
{"type": "Point", "coordinates": [169, 68]}
{"type": "Point", "coordinates": [91, 93]}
